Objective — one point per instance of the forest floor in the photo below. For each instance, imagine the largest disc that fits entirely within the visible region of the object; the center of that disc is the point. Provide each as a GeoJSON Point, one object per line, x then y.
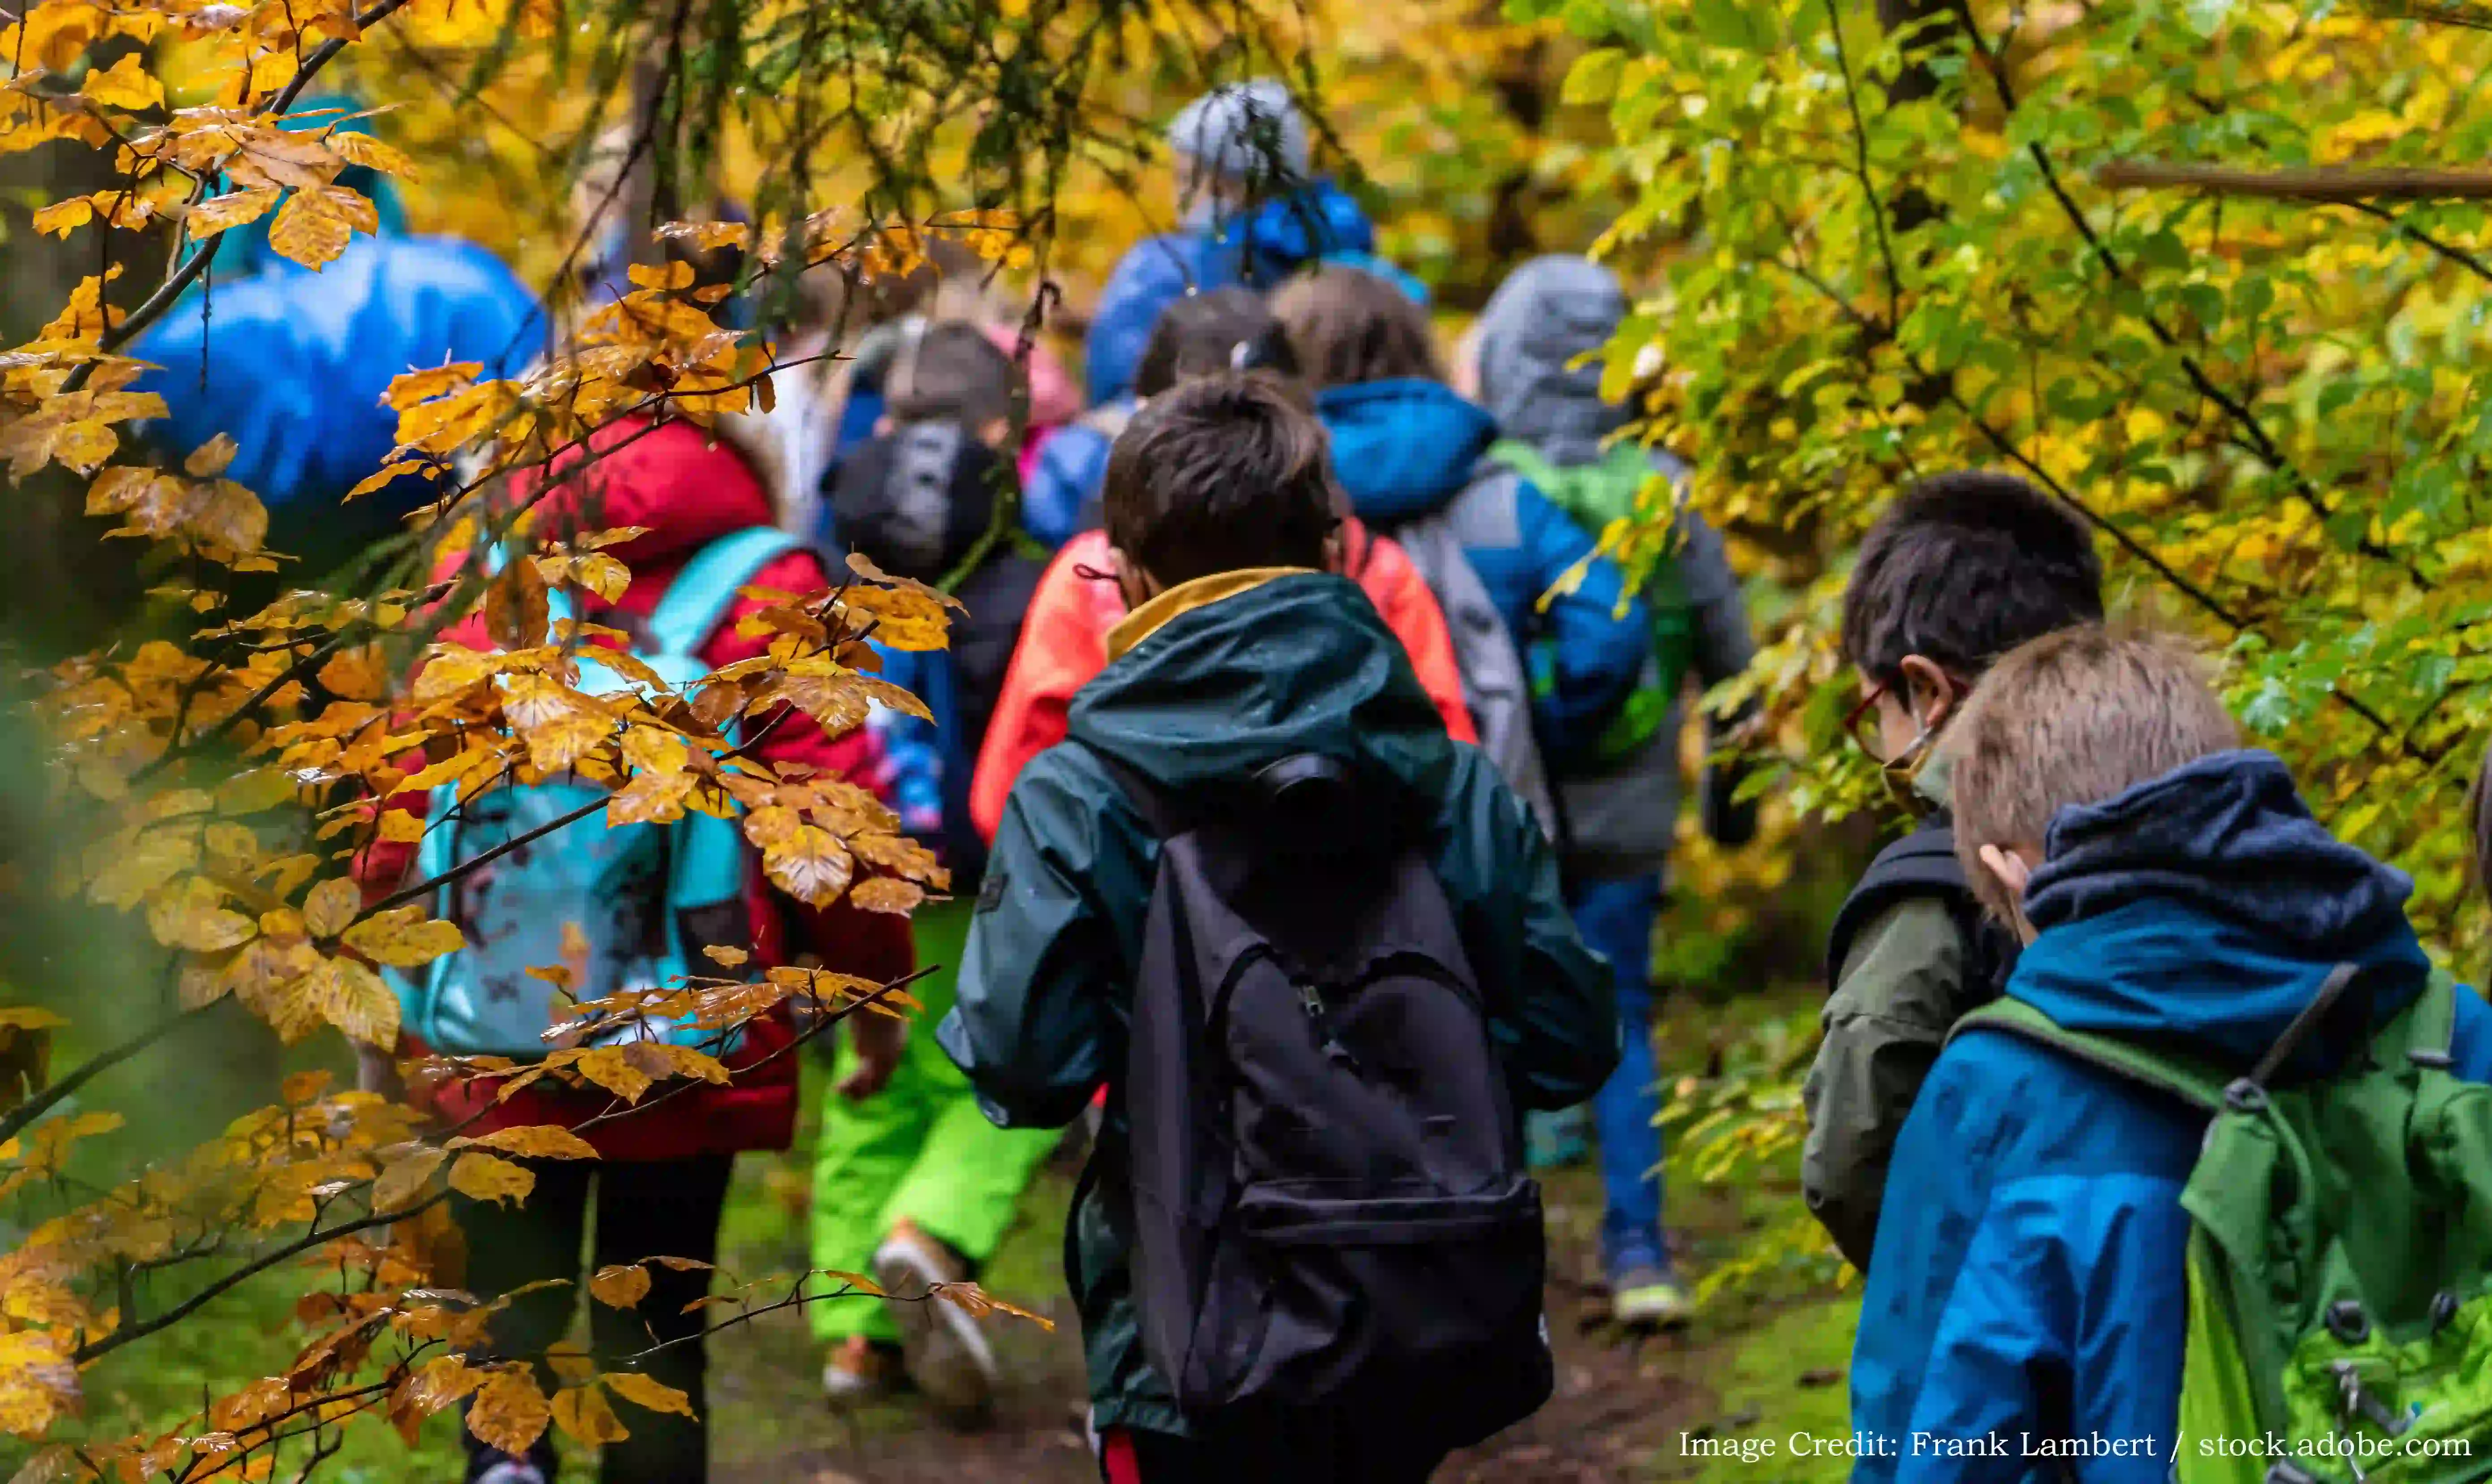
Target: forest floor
{"type": "Point", "coordinates": [1763, 1362]}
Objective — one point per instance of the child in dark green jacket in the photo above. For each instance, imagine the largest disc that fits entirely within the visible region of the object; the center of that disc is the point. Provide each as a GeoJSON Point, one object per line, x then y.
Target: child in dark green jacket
{"type": "Point", "coordinates": [1240, 650]}
{"type": "Point", "coordinates": [1961, 568]}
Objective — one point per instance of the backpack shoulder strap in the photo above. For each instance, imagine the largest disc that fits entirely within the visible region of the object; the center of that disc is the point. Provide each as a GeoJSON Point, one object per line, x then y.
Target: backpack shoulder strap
{"type": "Point", "coordinates": [1921, 864]}
{"type": "Point", "coordinates": [705, 588]}
{"type": "Point", "coordinates": [2173, 1074]}
{"type": "Point", "coordinates": [1524, 459]}
{"type": "Point", "coordinates": [1486, 512]}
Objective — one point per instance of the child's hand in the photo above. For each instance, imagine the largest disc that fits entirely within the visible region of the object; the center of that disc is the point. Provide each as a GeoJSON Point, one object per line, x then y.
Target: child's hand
{"type": "Point", "coordinates": [879, 1040]}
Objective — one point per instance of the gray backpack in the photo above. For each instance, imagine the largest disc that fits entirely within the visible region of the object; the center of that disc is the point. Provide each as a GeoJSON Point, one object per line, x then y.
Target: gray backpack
{"type": "Point", "coordinates": [1497, 685]}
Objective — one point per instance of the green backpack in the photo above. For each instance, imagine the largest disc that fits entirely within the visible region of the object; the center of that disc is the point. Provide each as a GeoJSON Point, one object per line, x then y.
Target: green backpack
{"type": "Point", "coordinates": [1595, 496]}
{"type": "Point", "coordinates": [2340, 1253]}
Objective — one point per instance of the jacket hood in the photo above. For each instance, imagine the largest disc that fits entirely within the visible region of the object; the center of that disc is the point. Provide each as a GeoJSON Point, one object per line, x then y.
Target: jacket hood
{"type": "Point", "coordinates": [1541, 321]}
{"type": "Point", "coordinates": [1403, 447]}
{"type": "Point", "coordinates": [686, 483]}
{"type": "Point", "coordinates": [1298, 664]}
{"type": "Point", "coordinates": [1281, 235]}
{"type": "Point", "coordinates": [2206, 906]}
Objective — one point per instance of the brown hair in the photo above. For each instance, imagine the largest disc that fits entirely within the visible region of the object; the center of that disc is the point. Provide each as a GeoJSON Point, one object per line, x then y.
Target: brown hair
{"type": "Point", "coordinates": [1217, 474]}
{"type": "Point", "coordinates": [2072, 718]}
{"type": "Point", "coordinates": [1347, 326]}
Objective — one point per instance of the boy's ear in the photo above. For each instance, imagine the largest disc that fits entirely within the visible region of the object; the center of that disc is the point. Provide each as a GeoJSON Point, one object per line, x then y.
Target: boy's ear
{"type": "Point", "coordinates": [884, 425]}
{"type": "Point", "coordinates": [1133, 580]}
{"type": "Point", "coordinates": [2009, 868]}
{"type": "Point", "coordinates": [1930, 693]}
{"type": "Point", "coordinates": [996, 433]}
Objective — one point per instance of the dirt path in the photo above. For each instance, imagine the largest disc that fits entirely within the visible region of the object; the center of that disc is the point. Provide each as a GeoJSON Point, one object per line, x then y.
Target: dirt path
{"type": "Point", "coordinates": [1615, 1406]}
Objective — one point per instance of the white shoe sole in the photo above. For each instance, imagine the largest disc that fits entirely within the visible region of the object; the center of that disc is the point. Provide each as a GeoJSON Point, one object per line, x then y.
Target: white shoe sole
{"type": "Point", "coordinates": [947, 1352]}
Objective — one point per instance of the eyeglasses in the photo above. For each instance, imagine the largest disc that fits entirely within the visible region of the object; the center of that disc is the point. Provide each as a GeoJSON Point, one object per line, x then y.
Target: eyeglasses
{"type": "Point", "coordinates": [1860, 724]}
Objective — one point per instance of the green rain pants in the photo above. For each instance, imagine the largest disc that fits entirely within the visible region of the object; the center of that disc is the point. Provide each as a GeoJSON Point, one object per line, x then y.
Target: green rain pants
{"type": "Point", "coordinates": [919, 1149]}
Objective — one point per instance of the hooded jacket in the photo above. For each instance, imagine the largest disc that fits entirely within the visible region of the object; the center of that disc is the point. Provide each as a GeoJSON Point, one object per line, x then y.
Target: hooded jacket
{"type": "Point", "coordinates": [1534, 338]}
{"type": "Point", "coordinates": [2031, 1272]}
{"type": "Point", "coordinates": [1218, 682]}
{"type": "Point", "coordinates": [293, 362]}
{"type": "Point", "coordinates": [689, 491]}
{"type": "Point", "coordinates": [1064, 644]}
{"type": "Point", "coordinates": [1404, 449]}
{"type": "Point", "coordinates": [1259, 247]}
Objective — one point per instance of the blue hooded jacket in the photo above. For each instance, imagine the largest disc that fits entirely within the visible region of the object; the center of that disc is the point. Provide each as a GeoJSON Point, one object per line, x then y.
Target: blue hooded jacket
{"type": "Point", "coordinates": [2030, 1271]}
{"type": "Point", "coordinates": [1402, 449]}
{"type": "Point", "coordinates": [1259, 249]}
{"type": "Point", "coordinates": [293, 362]}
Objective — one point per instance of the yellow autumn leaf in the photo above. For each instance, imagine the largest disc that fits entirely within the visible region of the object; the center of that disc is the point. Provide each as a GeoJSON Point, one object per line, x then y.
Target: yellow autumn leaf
{"type": "Point", "coordinates": [725, 957]}
{"type": "Point", "coordinates": [372, 154]}
{"type": "Point", "coordinates": [516, 606]}
{"type": "Point", "coordinates": [403, 938]}
{"type": "Point", "coordinates": [536, 1141]}
{"type": "Point", "coordinates": [610, 1069]}
{"type": "Point", "coordinates": [509, 1412]}
{"type": "Point", "coordinates": [483, 1178]}
{"type": "Point", "coordinates": [28, 1018]}
{"type": "Point", "coordinates": [38, 1384]}
{"type": "Point", "coordinates": [228, 210]}
{"type": "Point", "coordinates": [582, 1413]}
{"type": "Point", "coordinates": [212, 458]}
{"type": "Point", "coordinates": [353, 998]}
{"type": "Point", "coordinates": [127, 84]}
{"type": "Point", "coordinates": [811, 866]}
{"type": "Point", "coordinates": [331, 905]}
{"type": "Point", "coordinates": [316, 222]}
{"type": "Point", "coordinates": [360, 673]}
{"type": "Point", "coordinates": [902, 618]}
{"type": "Point", "coordinates": [621, 1286]}
{"type": "Point", "coordinates": [193, 916]}
{"type": "Point", "coordinates": [651, 798]}
{"type": "Point", "coordinates": [401, 1181]}
{"type": "Point", "coordinates": [249, 793]}
{"type": "Point", "coordinates": [400, 827]}
{"type": "Point", "coordinates": [645, 1391]}
{"type": "Point", "coordinates": [886, 894]}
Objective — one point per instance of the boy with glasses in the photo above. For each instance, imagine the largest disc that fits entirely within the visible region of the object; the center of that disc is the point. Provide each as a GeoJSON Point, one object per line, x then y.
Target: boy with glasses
{"type": "Point", "coordinates": [1961, 568]}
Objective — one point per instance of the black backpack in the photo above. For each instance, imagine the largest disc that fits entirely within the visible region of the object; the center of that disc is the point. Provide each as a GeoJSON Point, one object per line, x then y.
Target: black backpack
{"type": "Point", "coordinates": [1924, 864]}
{"type": "Point", "coordinates": [1328, 1199]}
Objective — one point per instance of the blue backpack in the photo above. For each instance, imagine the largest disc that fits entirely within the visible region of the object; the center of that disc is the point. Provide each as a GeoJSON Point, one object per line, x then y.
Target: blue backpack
{"type": "Point", "coordinates": [645, 899]}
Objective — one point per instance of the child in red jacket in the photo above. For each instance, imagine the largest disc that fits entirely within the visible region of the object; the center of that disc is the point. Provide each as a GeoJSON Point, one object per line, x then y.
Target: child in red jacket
{"type": "Point", "coordinates": [661, 1180]}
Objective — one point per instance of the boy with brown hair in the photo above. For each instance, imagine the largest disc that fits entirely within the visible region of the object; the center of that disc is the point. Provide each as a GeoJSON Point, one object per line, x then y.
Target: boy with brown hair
{"type": "Point", "coordinates": [1316, 951]}
{"type": "Point", "coordinates": [2174, 896]}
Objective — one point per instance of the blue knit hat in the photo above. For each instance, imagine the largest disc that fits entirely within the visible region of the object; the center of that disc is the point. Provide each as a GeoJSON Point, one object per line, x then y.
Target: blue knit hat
{"type": "Point", "coordinates": [1239, 132]}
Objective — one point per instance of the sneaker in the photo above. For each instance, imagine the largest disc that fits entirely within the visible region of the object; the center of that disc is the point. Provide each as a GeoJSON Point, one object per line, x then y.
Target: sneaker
{"type": "Point", "coordinates": [945, 1347]}
{"type": "Point", "coordinates": [1648, 1297]}
{"type": "Point", "coordinates": [1555, 1141]}
{"type": "Point", "coordinates": [861, 1370]}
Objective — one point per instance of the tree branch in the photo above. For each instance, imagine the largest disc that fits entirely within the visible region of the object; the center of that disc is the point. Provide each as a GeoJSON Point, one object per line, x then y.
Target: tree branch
{"type": "Point", "coordinates": [23, 1116]}
{"type": "Point", "coordinates": [248, 1271]}
{"type": "Point", "coordinates": [137, 321]}
{"type": "Point", "coordinates": [2341, 186]}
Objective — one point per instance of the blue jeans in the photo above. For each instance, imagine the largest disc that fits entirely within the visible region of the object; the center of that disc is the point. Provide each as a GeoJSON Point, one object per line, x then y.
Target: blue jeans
{"type": "Point", "coordinates": [1616, 918]}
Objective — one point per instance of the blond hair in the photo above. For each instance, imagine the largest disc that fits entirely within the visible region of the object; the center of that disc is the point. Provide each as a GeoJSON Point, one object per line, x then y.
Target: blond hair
{"type": "Point", "coordinates": [2074, 717]}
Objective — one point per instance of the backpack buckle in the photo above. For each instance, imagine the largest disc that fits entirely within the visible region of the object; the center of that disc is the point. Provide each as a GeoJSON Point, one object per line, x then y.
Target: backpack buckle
{"type": "Point", "coordinates": [2243, 1095]}
{"type": "Point", "coordinates": [2438, 1061]}
{"type": "Point", "coordinates": [2347, 1322]}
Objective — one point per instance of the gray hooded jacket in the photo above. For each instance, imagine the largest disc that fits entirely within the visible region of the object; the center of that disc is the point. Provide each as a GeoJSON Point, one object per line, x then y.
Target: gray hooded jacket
{"type": "Point", "coordinates": [1544, 319]}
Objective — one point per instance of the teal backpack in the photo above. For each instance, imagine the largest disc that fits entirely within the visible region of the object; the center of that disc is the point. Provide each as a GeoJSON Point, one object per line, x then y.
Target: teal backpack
{"type": "Point", "coordinates": [2339, 1326]}
{"type": "Point", "coordinates": [645, 899]}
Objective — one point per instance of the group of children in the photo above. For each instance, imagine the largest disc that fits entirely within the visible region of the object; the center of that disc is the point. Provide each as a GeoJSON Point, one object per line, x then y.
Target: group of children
{"type": "Point", "coordinates": [1307, 776]}
{"type": "Point", "coordinates": [2112, 924]}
